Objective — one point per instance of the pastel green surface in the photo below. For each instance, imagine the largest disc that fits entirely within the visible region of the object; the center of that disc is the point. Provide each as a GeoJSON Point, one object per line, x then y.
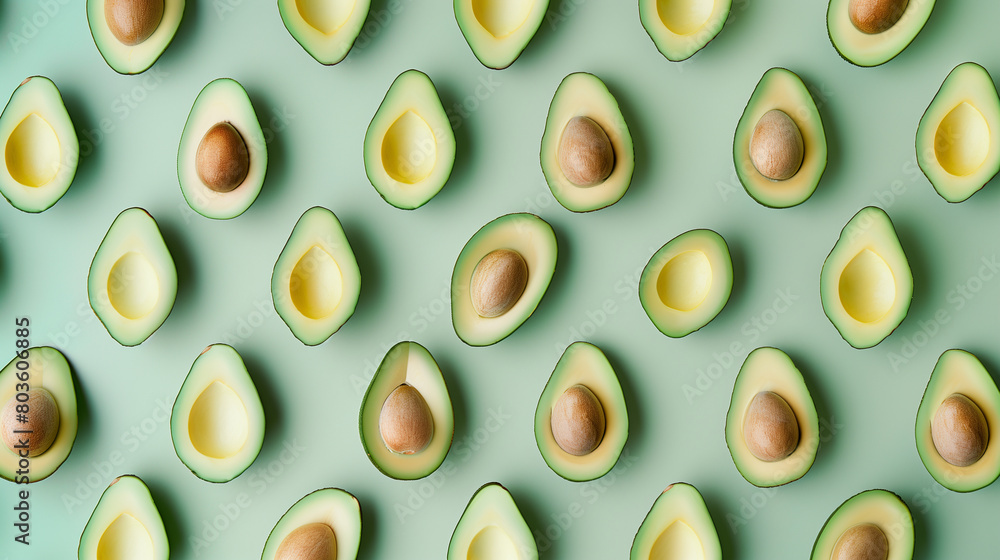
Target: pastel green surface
{"type": "Point", "coordinates": [681, 116]}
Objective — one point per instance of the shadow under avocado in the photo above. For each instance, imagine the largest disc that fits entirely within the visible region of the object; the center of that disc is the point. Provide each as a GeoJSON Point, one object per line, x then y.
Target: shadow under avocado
{"type": "Point", "coordinates": [534, 514]}
{"type": "Point", "coordinates": [457, 394]}
{"type": "Point", "coordinates": [641, 141]}
{"type": "Point", "coordinates": [638, 421]}
{"type": "Point", "coordinates": [182, 45]}
{"type": "Point", "coordinates": [824, 409]}
{"type": "Point", "coordinates": [717, 511]}
{"type": "Point", "coordinates": [269, 393]}
{"type": "Point", "coordinates": [90, 137]}
{"type": "Point", "coordinates": [925, 287]}
{"type": "Point", "coordinates": [461, 172]}
{"type": "Point", "coordinates": [366, 254]}
{"type": "Point", "coordinates": [369, 524]}
{"type": "Point", "coordinates": [167, 504]}
{"type": "Point", "coordinates": [274, 126]}
{"type": "Point", "coordinates": [181, 255]}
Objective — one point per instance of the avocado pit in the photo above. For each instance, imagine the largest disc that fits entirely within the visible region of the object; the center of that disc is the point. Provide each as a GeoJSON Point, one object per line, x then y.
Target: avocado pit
{"type": "Point", "coordinates": [498, 282]}
{"type": "Point", "coordinates": [133, 21]}
{"type": "Point", "coordinates": [405, 422]}
{"type": "Point", "coordinates": [578, 421]}
{"type": "Point", "coordinates": [959, 431]}
{"type": "Point", "coordinates": [776, 148]}
{"type": "Point", "coordinates": [586, 155]}
{"type": "Point", "coordinates": [770, 428]}
{"type": "Point", "coordinates": [222, 160]}
{"type": "Point", "coordinates": [41, 422]}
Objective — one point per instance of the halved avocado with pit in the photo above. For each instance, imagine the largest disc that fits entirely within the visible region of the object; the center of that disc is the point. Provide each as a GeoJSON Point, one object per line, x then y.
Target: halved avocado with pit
{"type": "Point", "coordinates": [872, 524]}
{"type": "Point", "coordinates": [680, 28]}
{"type": "Point", "coordinates": [505, 268]}
{"type": "Point", "coordinates": [499, 30]}
{"type": "Point", "coordinates": [958, 138]}
{"type": "Point", "coordinates": [217, 421]}
{"type": "Point", "coordinates": [678, 525]}
{"type": "Point", "coordinates": [409, 147]}
{"type": "Point", "coordinates": [687, 282]}
{"type": "Point", "coordinates": [132, 34]}
{"type": "Point", "coordinates": [133, 281]}
{"type": "Point", "coordinates": [868, 33]}
{"type": "Point", "coordinates": [958, 423]}
{"type": "Point", "coordinates": [492, 527]}
{"type": "Point", "coordinates": [316, 281]}
{"type": "Point", "coordinates": [44, 376]}
{"type": "Point", "coordinates": [323, 524]}
{"type": "Point", "coordinates": [222, 157]}
{"type": "Point", "coordinates": [125, 524]}
{"type": "Point", "coordinates": [866, 284]}
{"type": "Point", "coordinates": [772, 429]}
{"type": "Point", "coordinates": [586, 155]}
{"type": "Point", "coordinates": [325, 29]}
{"type": "Point", "coordinates": [781, 132]}
{"type": "Point", "coordinates": [41, 150]}
{"type": "Point", "coordinates": [581, 422]}
{"type": "Point", "coordinates": [406, 418]}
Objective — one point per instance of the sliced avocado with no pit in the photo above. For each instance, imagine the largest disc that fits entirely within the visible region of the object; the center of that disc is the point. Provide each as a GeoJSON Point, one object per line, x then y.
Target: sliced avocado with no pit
{"type": "Point", "coordinates": [772, 429]}
{"type": "Point", "coordinates": [125, 524]}
{"type": "Point", "coordinates": [872, 524]}
{"type": "Point", "coordinates": [217, 422]}
{"type": "Point", "coordinates": [869, 33]}
{"type": "Point", "coordinates": [678, 525]}
{"type": "Point", "coordinates": [492, 527]}
{"type": "Point", "coordinates": [680, 28]}
{"type": "Point", "coordinates": [41, 150]}
{"type": "Point", "coordinates": [132, 34]}
{"type": "Point", "coordinates": [586, 155]}
{"type": "Point", "coordinates": [316, 281]}
{"type": "Point", "coordinates": [406, 419]}
{"type": "Point", "coordinates": [780, 145]}
{"type": "Point", "coordinates": [866, 284]}
{"type": "Point", "coordinates": [499, 30]}
{"type": "Point", "coordinates": [958, 138]}
{"type": "Point", "coordinates": [687, 282]}
{"type": "Point", "coordinates": [222, 157]}
{"type": "Point", "coordinates": [323, 524]}
{"type": "Point", "coordinates": [325, 29]}
{"type": "Point", "coordinates": [409, 146]}
{"type": "Point", "coordinates": [52, 413]}
{"type": "Point", "coordinates": [132, 282]}
{"type": "Point", "coordinates": [500, 277]}
{"type": "Point", "coordinates": [581, 423]}
{"type": "Point", "coordinates": [958, 423]}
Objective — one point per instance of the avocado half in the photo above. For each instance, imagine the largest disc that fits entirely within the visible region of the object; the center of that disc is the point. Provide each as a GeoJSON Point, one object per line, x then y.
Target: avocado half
{"type": "Point", "coordinates": [680, 28]}
{"type": "Point", "coordinates": [499, 30]}
{"type": "Point", "coordinates": [125, 524]}
{"type": "Point", "coordinates": [958, 143]}
{"type": "Point", "coordinates": [492, 527]}
{"type": "Point", "coordinates": [960, 373]}
{"type": "Point", "coordinates": [45, 370]}
{"type": "Point", "coordinates": [583, 365]}
{"type": "Point", "coordinates": [41, 150]}
{"type": "Point", "coordinates": [781, 90]}
{"type": "Point", "coordinates": [129, 37]}
{"type": "Point", "coordinates": [866, 284]}
{"type": "Point", "coordinates": [687, 282]}
{"type": "Point", "coordinates": [677, 526]}
{"type": "Point", "coordinates": [326, 30]}
{"type": "Point", "coordinates": [407, 364]}
{"type": "Point", "coordinates": [882, 38]}
{"type": "Point", "coordinates": [132, 282]}
{"type": "Point", "coordinates": [222, 104]}
{"type": "Point", "coordinates": [525, 234]}
{"type": "Point", "coordinates": [769, 370]}
{"type": "Point", "coordinates": [409, 147]}
{"type": "Point", "coordinates": [874, 520]}
{"type": "Point", "coordinates": [583, 95]}
{"type": "Point", "coordinates": [316, 281]}
{"type": "Point", "coordinates": [324, 524]}
{"type": "Point", "coordinates": [217, 422]}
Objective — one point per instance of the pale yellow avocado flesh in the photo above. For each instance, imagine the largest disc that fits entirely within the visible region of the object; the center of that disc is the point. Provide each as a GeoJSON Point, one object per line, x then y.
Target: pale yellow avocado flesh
{"type": "Point", "coordinates": [125, 525]}
{"type": "Point", "coordinates": [678, 525]}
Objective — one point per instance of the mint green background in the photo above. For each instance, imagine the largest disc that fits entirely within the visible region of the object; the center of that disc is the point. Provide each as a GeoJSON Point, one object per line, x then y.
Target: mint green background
{"type": "Point", "coordinates": [682, 118]}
